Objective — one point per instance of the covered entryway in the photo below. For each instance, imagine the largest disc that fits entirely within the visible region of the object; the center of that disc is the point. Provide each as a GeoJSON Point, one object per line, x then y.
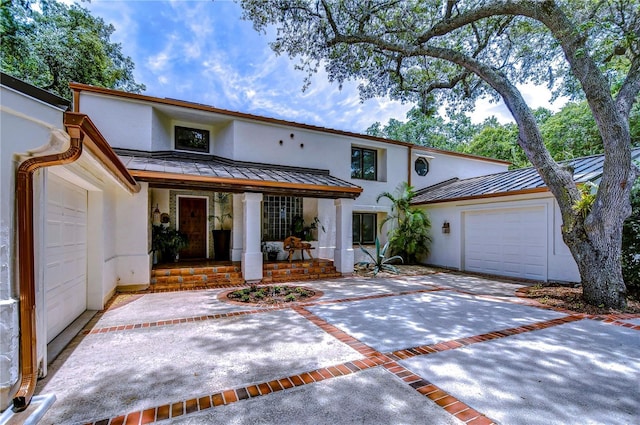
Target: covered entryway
{"type": "Point", "coordinates": [506, 242]}
{"type": "Point", "coordinates": [65, 275]}
{"type": "Point", "coordinates": [192, 219]}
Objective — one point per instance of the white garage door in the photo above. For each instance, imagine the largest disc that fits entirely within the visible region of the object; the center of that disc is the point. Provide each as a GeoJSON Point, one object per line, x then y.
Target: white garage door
{"type": "Point", "coordinates": [65, 276]}
{"type": "Point", "coordinates": [507, 242]}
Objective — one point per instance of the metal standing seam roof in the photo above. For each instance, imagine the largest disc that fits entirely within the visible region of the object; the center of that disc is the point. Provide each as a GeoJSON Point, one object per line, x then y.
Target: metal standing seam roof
{"type": "Point", "coordinates": [169, 168]}
{"type": "Point", "coordinates": [511, 182]}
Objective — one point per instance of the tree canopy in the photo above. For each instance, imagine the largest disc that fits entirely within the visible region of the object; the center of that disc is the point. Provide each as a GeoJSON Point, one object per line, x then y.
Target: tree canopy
{"type": "Point", "coordinates": [454, 51]}
{"type": "Point", "coordinates": [54, 44]}
{"type": "Point", "coordinates": [569, 133]}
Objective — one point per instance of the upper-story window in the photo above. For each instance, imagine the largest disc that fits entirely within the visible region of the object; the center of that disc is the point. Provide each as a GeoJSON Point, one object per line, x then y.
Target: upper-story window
{"type": "Point", "coordinates": [421, 166]}
{"type": "Point", "coordinates": [192, 139]}
{"type": "Point", "coordinates": [364, 163]}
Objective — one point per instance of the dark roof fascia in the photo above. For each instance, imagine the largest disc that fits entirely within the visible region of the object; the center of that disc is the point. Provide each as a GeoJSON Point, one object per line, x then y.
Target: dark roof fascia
{"type": "Point", "coordinates": [35, 92]}
{"type": "Point", "coordinates": [77, 87]}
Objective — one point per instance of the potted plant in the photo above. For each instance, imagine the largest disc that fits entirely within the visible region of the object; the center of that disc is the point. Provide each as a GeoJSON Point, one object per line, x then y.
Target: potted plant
{"type": "Point", "coordinates": [272, 250]}
{"type": "Point", "coordinates": [222, 220]}
{"type": "Point", "coordinates": [169, 242]}
{"type": "Point", "coordinates": [304, 231]}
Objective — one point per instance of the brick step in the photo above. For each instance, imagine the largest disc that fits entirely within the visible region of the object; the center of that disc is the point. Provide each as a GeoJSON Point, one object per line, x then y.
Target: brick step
{"type": "Point", "coordinates": [297, 265]}
{"type": "Point", "coordinates": [296, 278]}
{"type": "Point", "coordinates": [201, 278]}
{"type": "Point", "coordinates": [313, 270]}
{"type": "Point", "coordinates": [186, 271]}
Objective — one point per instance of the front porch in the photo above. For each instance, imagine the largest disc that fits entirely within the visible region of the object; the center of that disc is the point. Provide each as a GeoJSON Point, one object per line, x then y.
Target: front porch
{"type": "Point", "coordinates": [206, 274]}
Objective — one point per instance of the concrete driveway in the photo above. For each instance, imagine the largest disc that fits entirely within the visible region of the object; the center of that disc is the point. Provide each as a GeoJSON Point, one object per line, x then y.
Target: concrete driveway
{"type": "Point", "coordinates": [437, 349]}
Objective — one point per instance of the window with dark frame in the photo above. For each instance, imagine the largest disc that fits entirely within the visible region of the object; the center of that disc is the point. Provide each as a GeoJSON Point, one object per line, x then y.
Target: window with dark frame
{"type": "Point", "coordinates": [192, 139]}
{"type": "Point", "coordinates": [364, 228]}
{"type": "Point", "coordinates": [277, 216]}
{"type": "Point", "coordinates": [364, 163]}
{"type": "Point", "coordinates": [421, 166]}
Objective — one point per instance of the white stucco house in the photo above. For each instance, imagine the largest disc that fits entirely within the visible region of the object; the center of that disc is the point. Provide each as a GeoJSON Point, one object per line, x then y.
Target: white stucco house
{"type": "Point", "coordinates": [83, 182]}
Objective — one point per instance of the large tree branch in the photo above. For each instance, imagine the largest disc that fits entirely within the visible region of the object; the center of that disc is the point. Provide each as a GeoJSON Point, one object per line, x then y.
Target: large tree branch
{"type": "Point", "coordinates": [628, 94]}
{"type": "Point", "coordinates": [559, 180]}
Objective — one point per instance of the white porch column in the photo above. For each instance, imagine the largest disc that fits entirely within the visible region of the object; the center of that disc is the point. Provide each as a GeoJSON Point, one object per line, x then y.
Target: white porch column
{"type": "Point", "coordinates": [237, 232]}
{"type": "Point", "coordinates": [251, 253]}
{"type": "Point", "coordinates": [343, 255]}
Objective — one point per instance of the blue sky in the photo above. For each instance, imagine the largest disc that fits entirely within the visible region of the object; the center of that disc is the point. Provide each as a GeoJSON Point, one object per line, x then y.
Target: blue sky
{"type": "Point", "coordinates": [202, 51]}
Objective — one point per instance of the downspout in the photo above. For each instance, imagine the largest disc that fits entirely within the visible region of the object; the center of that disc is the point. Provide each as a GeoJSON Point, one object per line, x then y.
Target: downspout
{"type": "Point", "coordinates": [409, 165]}
{"type": "Point", "coordinates": [28, 372]}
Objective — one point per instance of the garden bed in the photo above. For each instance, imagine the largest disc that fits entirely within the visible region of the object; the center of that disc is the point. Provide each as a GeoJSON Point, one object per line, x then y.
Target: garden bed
{"type": "Point", "coordinates": [270, 295]}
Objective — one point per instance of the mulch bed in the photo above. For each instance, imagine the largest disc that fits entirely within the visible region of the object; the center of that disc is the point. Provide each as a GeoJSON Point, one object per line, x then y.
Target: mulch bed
{"type": "Point", "coordinates": [270, 295]}
{"type": "Point", "coordinates": [569, 298]}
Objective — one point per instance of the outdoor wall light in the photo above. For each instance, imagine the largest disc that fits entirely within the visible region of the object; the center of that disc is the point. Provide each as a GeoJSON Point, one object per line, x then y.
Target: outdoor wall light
{"type": "Point", "coordinates": [281, 142]}
{"type": "Point", "coordinates": [156, 216]}
{"type": "Point", "coordinates": [446, 228]}
{"type": "Point", "coordinates": [291, 135]}
{"type": "Point", "coordinates": [301, 145]}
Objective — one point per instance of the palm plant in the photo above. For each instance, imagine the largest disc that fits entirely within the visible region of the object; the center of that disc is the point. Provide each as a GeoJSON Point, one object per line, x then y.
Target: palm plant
{"type": "Point", "coordinates": [379, 262]}
{"type": "Point", "coordinates": [409, 236]}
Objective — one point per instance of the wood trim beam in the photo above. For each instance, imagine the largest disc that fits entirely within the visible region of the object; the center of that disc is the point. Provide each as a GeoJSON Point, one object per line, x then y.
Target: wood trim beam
{"type": "Point", "coordinates": [242, 185]}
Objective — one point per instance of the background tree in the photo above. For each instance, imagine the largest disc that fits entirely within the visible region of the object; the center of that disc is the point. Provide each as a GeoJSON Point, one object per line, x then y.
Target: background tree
{"type": "Point", "coordinates": [56, 44]}
{"type": "Point", "coordinates": [409, 234]}
{"type": "Point", "coordinates": [428, 130]}
{"type": "Point", "coordinates": [456, 51]}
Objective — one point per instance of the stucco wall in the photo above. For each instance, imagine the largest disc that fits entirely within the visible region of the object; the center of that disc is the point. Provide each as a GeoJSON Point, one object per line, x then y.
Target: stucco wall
{"type": "Point", "coordinates": [132, 237]}
{"type": "Point", "coordinates": [447, 248]}
{"type": "Point", "coordinates": [24, 128]}
{"type": "Point", "coordinates": [127, 125]}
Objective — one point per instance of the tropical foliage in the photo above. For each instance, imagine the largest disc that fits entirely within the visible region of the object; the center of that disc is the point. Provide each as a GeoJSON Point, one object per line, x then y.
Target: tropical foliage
{"type": "Point", "coordinates": [379, 262]}
{"type": "Point", "coordinates": [410, 226]}
{"type": "Point", "coordinates": [49, 44]}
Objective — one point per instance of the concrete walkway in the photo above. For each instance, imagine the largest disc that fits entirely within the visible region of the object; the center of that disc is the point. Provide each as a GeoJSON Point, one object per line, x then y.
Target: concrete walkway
{"type": "Point", "coordinates": [438, 349]}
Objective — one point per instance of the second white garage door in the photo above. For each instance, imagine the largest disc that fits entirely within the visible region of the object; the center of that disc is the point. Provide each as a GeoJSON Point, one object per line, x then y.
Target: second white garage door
{"type": "Point", "coordinates": [65, 275]}
{"type": "Point", "coordinates": [507, 242]}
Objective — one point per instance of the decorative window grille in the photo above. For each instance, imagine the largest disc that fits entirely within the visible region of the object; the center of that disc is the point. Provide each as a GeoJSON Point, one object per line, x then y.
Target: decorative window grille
{"type": "Point", "coordinates": [277, 216]}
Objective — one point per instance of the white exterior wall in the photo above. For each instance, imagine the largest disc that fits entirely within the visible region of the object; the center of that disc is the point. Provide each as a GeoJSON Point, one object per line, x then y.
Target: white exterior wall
{"type": "Point", "coordinates": [124, 124]}
{"type": "Point", "coordinates": [161, 132]}
{"type": "Point", "coordinates": [444, 167]}
{"type": "Point", "coordinates": [24, 127]}
{"type": "Point", "coordinates": [447, 249]}
{"type": "Point", "coordinates": [132, 238]}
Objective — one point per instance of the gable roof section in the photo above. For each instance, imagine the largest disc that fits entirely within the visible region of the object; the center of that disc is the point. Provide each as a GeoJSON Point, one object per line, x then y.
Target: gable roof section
{"type": "Point", "coordinates": [78, 88]}
{"type": "Point", "coordinates": [513, 182]}
{"type": "Point", "coordinates": [175, 169]}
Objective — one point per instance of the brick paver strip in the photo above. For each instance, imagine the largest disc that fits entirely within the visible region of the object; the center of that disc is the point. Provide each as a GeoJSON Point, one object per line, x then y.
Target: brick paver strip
{"type": "Point", "coordinates": [372, 359]}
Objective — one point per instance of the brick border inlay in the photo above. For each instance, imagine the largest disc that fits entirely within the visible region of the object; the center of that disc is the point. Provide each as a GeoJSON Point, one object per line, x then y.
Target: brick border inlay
{"type": "Point", "coordinates": [372, 359]}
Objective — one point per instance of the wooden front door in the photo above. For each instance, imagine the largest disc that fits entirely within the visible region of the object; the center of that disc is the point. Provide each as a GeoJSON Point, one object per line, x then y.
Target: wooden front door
{"type": "Point", "coordinates": [193, 222]}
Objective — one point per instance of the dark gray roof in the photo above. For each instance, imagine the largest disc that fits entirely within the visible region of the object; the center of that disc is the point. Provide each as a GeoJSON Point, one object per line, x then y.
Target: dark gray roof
{"type": "Point", "coordinates": [35, 92]}
{"type": "Point", "coordinates": [175, 169]}
{"type": "Point", "coordinates": [509, 182]}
